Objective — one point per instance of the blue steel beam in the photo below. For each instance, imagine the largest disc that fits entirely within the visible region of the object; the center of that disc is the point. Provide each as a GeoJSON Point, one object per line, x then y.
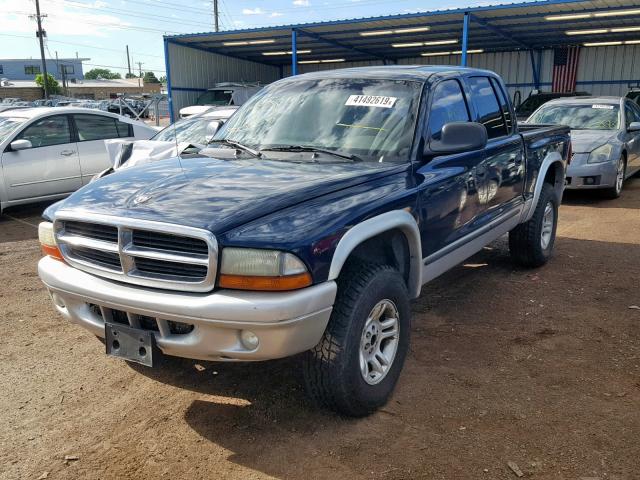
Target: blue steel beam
{"type": "Point", "coordinates": [536, 70]}
{"type": "Point", "coordinates": [388, 18]}
{"type": "Point", "coordinates": [294, 52]}
{"type": "Point", "coordinates": [167, 70]}
{"type": "Point", "coordinates": [498, 31]}
{"type": "Point", "coordinates": [319, 38]}
{"type": "Point", "coordinates": [465, 39]}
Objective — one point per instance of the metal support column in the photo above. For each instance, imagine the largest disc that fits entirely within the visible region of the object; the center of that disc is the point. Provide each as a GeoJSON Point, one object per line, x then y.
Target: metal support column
{"type": "Point", "coordinates": [167, 68]}
{"type": "Point", "coordinates": [465, 39]}
{"type": "Point", "coordinates": [294, 51]}
{"type": "Point", "coordinates": [536, 71]}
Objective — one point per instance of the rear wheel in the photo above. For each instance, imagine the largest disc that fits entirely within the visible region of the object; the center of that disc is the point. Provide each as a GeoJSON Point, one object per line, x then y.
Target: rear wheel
{"type": "Point", "coordinates": [355, 367]}
{"type": "Point", "coordinates": [531, 243]}
{"type": "Point", "coordinates": [616, 190]}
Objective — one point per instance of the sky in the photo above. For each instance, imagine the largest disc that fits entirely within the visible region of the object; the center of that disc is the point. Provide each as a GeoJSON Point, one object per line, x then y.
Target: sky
{"type": "Point", "coordinates": [101, 29]}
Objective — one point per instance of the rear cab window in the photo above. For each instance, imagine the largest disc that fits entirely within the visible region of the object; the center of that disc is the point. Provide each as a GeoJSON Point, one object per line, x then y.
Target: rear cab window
{"type": "Point", "coordinates": [487, 106]}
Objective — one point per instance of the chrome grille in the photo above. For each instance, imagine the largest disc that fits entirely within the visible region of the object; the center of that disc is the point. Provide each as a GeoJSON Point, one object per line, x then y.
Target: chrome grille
{"type": "Point", "coordinates": [146, 253]}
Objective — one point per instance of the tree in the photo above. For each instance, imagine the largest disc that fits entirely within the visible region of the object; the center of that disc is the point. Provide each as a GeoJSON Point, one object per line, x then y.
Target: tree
{"type": "Point", "coordinates": [104, 73]}
{"type": "Point", "coordinates": [52, 85]}
{"type": "Point", "coordinates": [130, 75]}
{"type": "Point", "coordinates": [163, 79]}
{"type": "Point", "coordinates": [150, 77]}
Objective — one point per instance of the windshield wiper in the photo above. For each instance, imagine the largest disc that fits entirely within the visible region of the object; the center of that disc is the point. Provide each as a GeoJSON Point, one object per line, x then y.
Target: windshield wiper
{"type": "Point", "coordinates": [304, 148]}
{"type": "Point", "coordinates": [233, 143]}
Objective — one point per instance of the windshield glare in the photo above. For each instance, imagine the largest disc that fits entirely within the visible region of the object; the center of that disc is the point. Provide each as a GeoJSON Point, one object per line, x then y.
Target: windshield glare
{"type": "Point", "coordinates": [215, 97]}
{"type": "Point", "coordinates": [9, 124]}
{"type": "Point", "coordinates": [372, 119]}
{"type": "Point", "coordinates": [580, 117]}
{"type": "Point", "coordinates": [189, 130]}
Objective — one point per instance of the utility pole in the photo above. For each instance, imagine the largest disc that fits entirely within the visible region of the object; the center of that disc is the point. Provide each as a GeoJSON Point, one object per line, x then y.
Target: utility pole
{"type": "Point", "coordinates": [128, 61]}
{"type": "Point", "coordinates": [40, 34]}
{"type": "Point", "coordinates": [140, 68]}
{"type": "Point", "coordinates": [215, 15]}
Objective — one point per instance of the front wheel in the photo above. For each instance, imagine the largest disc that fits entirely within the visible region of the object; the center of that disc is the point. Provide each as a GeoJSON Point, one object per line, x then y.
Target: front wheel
{"type": "Point", "coordinates": [531, 243]}
{"type": "Point", "coordinates": [355, 367]}
{"type": "Point", "coordinates": [621, 171]}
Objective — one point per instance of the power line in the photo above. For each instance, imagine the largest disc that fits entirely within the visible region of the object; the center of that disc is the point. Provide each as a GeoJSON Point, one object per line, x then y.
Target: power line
{"type": "Point", "coordinates": [169, 6]}
{"type": "Point", "coordinates": [146, 16]}
{"type": "Point", "coordinates": [81, 45]}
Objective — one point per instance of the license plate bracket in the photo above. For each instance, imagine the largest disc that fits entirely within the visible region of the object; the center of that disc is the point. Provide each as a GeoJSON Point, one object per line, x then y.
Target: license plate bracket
{"type": "Point", "coordinates": [132, 344]}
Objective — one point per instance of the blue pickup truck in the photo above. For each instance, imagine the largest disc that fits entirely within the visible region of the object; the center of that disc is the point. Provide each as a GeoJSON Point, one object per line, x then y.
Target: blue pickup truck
{"type": "Point", "coordinates": [319, 211]}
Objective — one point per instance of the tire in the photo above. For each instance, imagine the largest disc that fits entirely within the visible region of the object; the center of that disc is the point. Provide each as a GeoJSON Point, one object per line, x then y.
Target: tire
{"type": "Point", "coordinates": [527, 244]}
{"type": "Point", "coordinates": [615, 191]}
{"type": "Point", "coordinates": [333, 373]}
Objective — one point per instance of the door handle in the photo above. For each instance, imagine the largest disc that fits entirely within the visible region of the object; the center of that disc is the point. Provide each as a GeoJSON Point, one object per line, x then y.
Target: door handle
{"type": "Point", "coordinates": [67, 153]}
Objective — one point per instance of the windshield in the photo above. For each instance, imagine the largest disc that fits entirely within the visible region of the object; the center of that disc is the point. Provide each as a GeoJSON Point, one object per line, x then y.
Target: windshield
{"type": "Point", "coordinates": [215, 97]}
{"type": "Point", "coordinates": [192, 130]}
{"type": "Point", "coordinates": [9, 124]}
{"type": "Point", "coordinates": [371, 119]}
{"type": "Point", "coordinates": [579, 116]}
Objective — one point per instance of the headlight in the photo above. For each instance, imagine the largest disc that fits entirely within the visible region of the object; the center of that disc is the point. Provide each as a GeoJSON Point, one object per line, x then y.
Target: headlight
{"type": "Point", "coordinates": [253, 269]}
{"type": "Point", "coordinates": [600, 154]}
{"type": "Point", "coordinates": [48, 240]}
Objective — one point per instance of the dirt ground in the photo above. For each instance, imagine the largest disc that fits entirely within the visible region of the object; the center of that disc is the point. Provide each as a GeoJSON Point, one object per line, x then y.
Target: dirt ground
{"type": "Point", "coordinates": [540, 368]}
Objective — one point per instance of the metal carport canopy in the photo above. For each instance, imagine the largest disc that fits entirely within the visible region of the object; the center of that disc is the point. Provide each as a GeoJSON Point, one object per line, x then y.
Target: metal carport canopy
{"type": "Point", "coordinates": [531, 25]}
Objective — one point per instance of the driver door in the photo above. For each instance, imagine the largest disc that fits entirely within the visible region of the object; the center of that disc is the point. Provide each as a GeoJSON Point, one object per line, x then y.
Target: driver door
{"type": "Point", "coordinates": [50, 167]}
{"type": "Point", "coordinates": [450, 187]}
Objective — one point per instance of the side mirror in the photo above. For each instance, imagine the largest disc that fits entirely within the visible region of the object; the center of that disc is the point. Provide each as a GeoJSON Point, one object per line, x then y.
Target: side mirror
{"type": "Point", "coordinates": [634, 127]}
{"type": "Point", "coordinates": [212, 129]}
{"type": "Point", "coordinates": [458, 137]}
{"type": "Point", "coordinates": [21, 145]}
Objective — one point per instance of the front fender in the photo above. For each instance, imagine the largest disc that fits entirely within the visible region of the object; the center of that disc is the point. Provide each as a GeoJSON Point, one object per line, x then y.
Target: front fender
{"type": "Point", "coordinates": [396, 219]}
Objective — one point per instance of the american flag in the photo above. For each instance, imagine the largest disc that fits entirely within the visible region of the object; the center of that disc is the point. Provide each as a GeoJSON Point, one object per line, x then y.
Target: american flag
{"type": "Point", "coordinates": [565, 69]}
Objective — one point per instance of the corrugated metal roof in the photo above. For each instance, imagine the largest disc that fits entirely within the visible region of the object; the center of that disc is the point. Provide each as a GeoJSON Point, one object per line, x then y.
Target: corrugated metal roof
{"type": "Point", "coordinates": [493, 28]}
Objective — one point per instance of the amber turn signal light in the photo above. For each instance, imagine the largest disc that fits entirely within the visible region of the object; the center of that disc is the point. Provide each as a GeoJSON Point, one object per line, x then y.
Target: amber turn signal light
{"type": "Point", "coordinates": [281, 283]}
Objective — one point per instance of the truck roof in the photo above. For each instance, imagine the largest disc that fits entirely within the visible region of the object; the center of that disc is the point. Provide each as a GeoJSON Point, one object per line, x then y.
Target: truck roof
{"type": "Point", "coordinates": [406, 72]}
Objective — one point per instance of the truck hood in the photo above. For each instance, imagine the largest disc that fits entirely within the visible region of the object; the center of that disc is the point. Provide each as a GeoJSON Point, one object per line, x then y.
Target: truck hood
{"type": "Point", "coordinates": [585, 141]}
{"type": "Point", "coordinates": [214, 194]}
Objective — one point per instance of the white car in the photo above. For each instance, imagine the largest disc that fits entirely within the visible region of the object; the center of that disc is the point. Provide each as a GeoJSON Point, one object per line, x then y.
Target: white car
{"type": "Point", "coordinates": [223, 94]}
{"type": "Point", "coordinates": [187, 136]}
{"type": "Point", "coordinates": [49, 152]}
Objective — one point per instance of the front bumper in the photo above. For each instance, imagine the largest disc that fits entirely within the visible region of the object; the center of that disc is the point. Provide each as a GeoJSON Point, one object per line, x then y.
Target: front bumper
{"type": "Point", "coordinates": [285, 323]}
{"type": "Point", "coordinates": [583, 175]}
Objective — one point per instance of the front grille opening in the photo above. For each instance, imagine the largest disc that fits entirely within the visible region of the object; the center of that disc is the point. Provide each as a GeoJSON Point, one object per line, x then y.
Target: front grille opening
{"type": "Point", "coordinates": [170, 243]}
{"type": "Point", "coordinates": [118, 316]}
{"type": "Point", "coordinates": [92, 230]}
{"type": "Point", "coordinates": [179, 328]}
{"type": "Point", "coordinates": [172, 269]}
{"type": "Point", "coordinates": [103, 259]}
{"type": "Point", "coordinates": [148, 323]}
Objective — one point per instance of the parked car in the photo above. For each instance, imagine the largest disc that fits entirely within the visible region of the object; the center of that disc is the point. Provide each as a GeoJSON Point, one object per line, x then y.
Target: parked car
{"type": "Point", "coordinates": [49, 152]}
{"type": "Point", "coordinates": [11, 106]}
{"type": "Point", "coordinates": [325, 204]}
{"type": "Point", "coordinates": [605, 136]}
{"type": "Point", "coordinates": [185, 138]}
{"type": "Point", "coordinates": [536, 100]}
{"type": "Point", "coordinates": [223, 94]}
{"type": "Point", "coordinates": [634, 93]}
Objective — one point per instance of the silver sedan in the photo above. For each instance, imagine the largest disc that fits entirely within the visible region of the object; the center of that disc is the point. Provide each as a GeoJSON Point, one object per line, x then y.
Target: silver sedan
{"type": "Point", "coordinates": [605, 138]}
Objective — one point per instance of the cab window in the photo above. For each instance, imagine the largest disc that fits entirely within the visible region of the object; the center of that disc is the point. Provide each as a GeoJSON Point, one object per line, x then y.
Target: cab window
{"type": "Point", "coordinates": [504, 105]}
{"type": "Point", "coordinates": [448, 105]}
{"type": "Point", "coordinates": [487, 105]}
{"type": "Point", "coordinates": [47, 132]}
